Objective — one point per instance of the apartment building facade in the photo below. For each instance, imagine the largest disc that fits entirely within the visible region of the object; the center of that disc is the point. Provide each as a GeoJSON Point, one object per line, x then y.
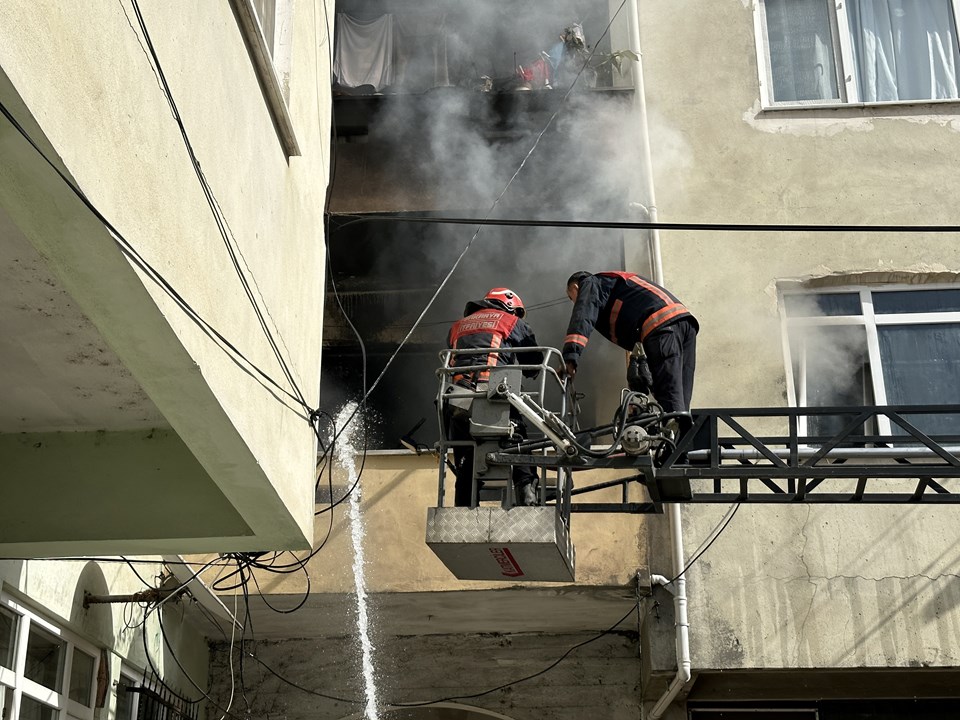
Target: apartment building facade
{"type": "Point", "coordinates": [801, 113]}
{"type": "Point", "coordinates": [163, 169]}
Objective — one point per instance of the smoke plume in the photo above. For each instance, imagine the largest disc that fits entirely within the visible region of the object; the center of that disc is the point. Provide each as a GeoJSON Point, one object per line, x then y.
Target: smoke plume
{"type": "Point", "coordinates": [456, 150]}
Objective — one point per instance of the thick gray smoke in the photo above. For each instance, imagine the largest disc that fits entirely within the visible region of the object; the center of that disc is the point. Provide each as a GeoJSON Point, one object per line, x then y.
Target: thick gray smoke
{"type": "Point", "coordinates": [452, 150]}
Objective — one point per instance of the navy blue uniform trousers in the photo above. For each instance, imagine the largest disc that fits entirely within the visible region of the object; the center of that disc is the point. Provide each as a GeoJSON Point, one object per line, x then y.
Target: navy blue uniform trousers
{"type": "Point", "coordinates": [672, 354]}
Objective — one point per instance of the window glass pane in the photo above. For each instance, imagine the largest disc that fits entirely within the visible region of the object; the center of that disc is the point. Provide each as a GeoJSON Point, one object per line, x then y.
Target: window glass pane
{"type": "Point", "coordinates": [905, 49]}
{"type": "Point", "coordinates": [831, 304]}
{"type": "Point", "coordinates": [831, 369]}
{"type": "Point", "coordinates": [267, 15]}
{"type": "Point", "coordinates": [30, 709]}
{"type": "Point", "coordinates": [916, 301]}
{"type": "Point", "coordinates": [44, 658]}
{"type": "Point", "coordinates": [921, 365]}
{"type": "Point", "coordinates": [8, 637]}
{"type": "Point", "coordinates": [81, 677]}
{"type": "Point", "coordinates": [800, 42]}
{"type": "Point", "coordinates": [125, 700]}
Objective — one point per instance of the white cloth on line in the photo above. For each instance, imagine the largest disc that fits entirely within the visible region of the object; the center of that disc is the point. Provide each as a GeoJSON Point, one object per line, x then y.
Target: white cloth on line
{"type": "Point", "coordinates": [364, 52]}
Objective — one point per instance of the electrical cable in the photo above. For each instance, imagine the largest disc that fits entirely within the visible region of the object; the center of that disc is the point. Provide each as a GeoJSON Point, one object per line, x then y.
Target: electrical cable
{"type": "Point", "coordinates": [326, 457]}
{"type": "Point", "coordinates": [247, 623]}
{"type": "Point", "coordinates": [209, 617]}
{"type": "Point", "coordinates": [282, 611]}
{"type": "Point", "coordinates": [153, 668]}
{"type": "Point", "coordinates": [204, 695]}
{"type": "Point", "coordinates": [456, 264]}
{"type": "Point", "coordinates": [292, 684]}
{"type": "Point", "coordinates": [496, 202]}
{"type": "Point", "coordinates": [231, 350]}
{"type": "Point", "coordinates": [140, 262]}
{"type": "Point", "coordinates": [455, 697]}
{"type": "Point", "coordinates": [140, 43]}
{"type": "Point", "coordinates": [328, 696]}
{"type": "Point", "coordinates": [233, 635]}
{"type": "Point", "coordinates": [253, 655]}
{"type": "Point", "coordinates": [529, 309]}
{"type": "Point", "coordinates": [705, 545]}
{"type": "Point", "coordinates": [238, 357]}
{"type": "Point", "coordinates": [226, 234]}
{"type": "Point", "coordinates": [134, 570]}
{"type": "Point", "coordinates": [612, 225]}
{"type": "Point", "coordinates": [157, 609]}
{"type": "Point", "coordinates": [128, 561]}
{"type": "Point", "coordinates": [528, 677]}
{"type": "Point", "coordinates": [368, 391]}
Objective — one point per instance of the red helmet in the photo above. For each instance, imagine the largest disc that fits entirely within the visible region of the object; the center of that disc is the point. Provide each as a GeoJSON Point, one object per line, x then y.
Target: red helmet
{"type": "Point", "coordinates": [510, 301]}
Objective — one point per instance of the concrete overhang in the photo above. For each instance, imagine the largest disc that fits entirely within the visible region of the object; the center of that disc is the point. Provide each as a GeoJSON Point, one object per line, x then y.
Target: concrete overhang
{"type": "Point", "coordinates": [111, 438]}
{"type": "Point", "coordinates": [561, 609]}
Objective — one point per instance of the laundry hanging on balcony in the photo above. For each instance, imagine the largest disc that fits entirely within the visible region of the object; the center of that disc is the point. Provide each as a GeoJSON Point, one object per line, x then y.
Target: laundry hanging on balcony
{"type": "Point", "coordinates": [392, 53]}
{"type": "Point", "coordinates": [365, 52]}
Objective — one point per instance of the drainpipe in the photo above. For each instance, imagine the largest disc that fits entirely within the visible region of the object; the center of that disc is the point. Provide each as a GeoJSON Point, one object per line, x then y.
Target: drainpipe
{"type": "Point", "coordinates": [679, 586]}
{"type": "Point", "coordinates": [640, 105]}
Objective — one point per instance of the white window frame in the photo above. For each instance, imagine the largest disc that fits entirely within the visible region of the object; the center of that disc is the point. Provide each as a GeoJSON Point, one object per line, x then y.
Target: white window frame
{"type": "Point", "coordinates": [17, 681]}
{"type": "Point", "coordinates": [845, 58]}
{"type": "Point", "coordinates": [272, 68]}
{"type": "Point", "coordinates": [869, 321]}
{"type": "Point", "coordinates": [129, 672]}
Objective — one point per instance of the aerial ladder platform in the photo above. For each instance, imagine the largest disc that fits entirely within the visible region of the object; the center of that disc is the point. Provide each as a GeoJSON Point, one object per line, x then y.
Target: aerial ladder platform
{"type": "Point", "coordinates": [800, 455]}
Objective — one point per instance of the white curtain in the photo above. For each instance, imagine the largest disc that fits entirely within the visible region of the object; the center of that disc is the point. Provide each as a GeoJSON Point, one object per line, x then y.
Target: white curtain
{"type": "Point", "coordinates": [906, 49]}
{"type": "Point", "coordinates": [364, 52]}
{"type": "Point", "coordinates": [800, 43]}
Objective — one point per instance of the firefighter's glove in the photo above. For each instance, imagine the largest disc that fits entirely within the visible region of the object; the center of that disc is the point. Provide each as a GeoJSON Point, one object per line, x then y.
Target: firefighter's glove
{"type": "Point", "coordinates": [639, 377]}
{"type": "Point", "coordinates": [568, 370]}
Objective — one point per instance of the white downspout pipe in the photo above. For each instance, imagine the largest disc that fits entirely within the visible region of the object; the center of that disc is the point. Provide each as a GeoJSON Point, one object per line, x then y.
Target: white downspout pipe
{"type": "Point", "coordinates": [679, 589]}
{"type": "Point", "coordinates": [640, 105]}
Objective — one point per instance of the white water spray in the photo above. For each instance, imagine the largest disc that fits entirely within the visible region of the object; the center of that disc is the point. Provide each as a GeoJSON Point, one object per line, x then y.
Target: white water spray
{"type": "Point", "coordinates": [346, 456]}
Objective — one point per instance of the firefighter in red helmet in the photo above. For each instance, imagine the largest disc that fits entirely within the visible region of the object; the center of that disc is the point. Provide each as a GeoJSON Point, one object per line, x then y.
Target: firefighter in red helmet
{"type": "Point", "coordinates": [496, 321]}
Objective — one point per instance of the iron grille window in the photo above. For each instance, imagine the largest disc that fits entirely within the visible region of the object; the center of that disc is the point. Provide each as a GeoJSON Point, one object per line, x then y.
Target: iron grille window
{"type": "Point", "coordinates": [150, 699]}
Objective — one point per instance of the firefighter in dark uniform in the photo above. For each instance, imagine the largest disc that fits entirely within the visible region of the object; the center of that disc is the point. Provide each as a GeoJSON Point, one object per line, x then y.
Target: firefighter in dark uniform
{"type": "Point", "coordinates": [628, 309]}
{"type": "Point", "coordinates": [494, 322]}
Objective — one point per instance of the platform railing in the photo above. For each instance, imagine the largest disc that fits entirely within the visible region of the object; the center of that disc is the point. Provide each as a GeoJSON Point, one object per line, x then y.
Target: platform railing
{"type": "Point", "coordinates": [545, 384]}
{"type": "Point", "coordinates": [720, 459]}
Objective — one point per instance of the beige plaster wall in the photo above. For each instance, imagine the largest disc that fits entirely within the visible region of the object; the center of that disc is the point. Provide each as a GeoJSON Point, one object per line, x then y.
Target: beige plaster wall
{"type": "Point", "coordinates": [819, 586]}
{"type": "Point", "coordinates": [83, 73]}
{"type": "Point", "coordinates": [397, 489]}
{"type": "Point", "coordinates": [732, 163]}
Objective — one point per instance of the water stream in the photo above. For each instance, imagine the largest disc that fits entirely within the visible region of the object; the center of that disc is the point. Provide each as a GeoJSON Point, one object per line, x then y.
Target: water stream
{"type": "Point", "coordinates": [346, 457]}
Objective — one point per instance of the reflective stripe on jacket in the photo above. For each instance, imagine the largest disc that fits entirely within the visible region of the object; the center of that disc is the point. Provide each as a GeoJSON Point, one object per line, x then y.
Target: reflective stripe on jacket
{"type": "Point", "coordinates": [492, 328]}
{"type": "Point", "coordinates": [623, 307]}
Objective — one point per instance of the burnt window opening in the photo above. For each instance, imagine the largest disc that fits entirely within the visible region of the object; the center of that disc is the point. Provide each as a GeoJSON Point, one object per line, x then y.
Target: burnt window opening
{"type": "Point", "coordinates": [386, 273]}
{"type": "Point", "coordinates": [454, 151]}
